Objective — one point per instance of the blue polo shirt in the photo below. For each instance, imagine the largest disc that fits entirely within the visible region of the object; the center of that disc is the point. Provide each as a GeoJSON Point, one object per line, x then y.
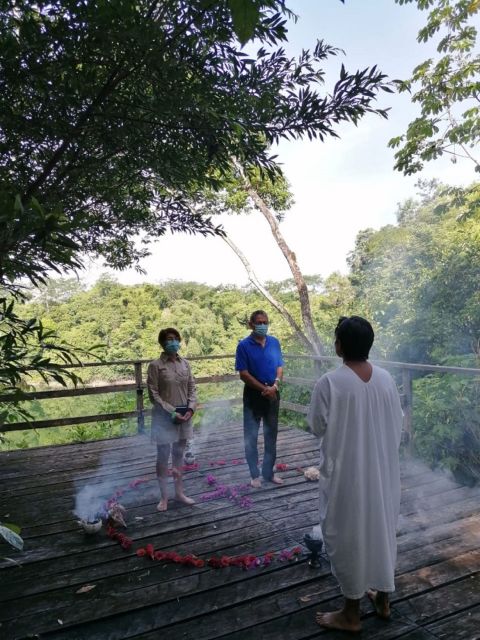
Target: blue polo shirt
{"type": "Point", "coordinates": [260, 361]}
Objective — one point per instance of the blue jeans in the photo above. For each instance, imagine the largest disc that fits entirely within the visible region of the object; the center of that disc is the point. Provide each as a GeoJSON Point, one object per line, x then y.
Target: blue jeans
{"type": "Point", "coordinates": [256, 408]}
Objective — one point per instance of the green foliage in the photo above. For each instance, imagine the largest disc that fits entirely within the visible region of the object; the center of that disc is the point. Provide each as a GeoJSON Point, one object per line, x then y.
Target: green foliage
{"type": "Point", "coordinates": [418, 282]}
{"type": "Point", "coordinates": [10, 533]}
{"type": "Point", "coordinates": [210, 319]}
{"type": "Point", "coordinates": [33, 241]}
{"type": "Point", "coordinates": [69, 407]}
{"type": "Point", "coordinates": [447, 423]}
{"type": "Point", "coordinates": [245, 17]}
{"type": "Point", "coordinates": [234, 197]}
{"type": "Point", "coordinates": [118, 114]}
{"type": "Point", "coordinates": [446, 89]}
{"type": "Point", "coordinates": [28, 350]}
{"type": "Point", "coordinates": [126, 321]}
{"type": "Point", "coordinates": [120, 120]}
{"type": "Point", "coordinates": [300, 393]}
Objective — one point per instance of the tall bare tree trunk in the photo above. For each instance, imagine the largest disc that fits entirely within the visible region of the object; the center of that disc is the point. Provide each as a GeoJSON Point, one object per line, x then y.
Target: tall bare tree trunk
{"type": "Point", "coordinates": [291, 258]}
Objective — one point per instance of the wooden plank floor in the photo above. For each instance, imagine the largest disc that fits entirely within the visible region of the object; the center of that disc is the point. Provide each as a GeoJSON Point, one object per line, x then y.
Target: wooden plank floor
{"type": "Point", "coordinates": [438, 581]}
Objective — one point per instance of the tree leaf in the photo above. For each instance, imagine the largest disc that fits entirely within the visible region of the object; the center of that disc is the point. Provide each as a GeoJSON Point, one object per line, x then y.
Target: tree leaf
{"type": "Point", "coordinates": [86, 588]}
{"type": "Point", "coordinates": [11, 537]}
{"type": "Point", "coordinates": [245, 16]}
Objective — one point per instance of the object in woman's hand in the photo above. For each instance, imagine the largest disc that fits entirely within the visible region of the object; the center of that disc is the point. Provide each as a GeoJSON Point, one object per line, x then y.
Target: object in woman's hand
{"type": "Point", "coordinates": [179, 411]}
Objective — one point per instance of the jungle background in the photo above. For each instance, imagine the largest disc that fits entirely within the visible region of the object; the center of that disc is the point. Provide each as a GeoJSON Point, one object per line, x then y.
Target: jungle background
{"type": "Point", "coordinates": [108, 143]}
{"type": "Point", "coordinates": [417, 281]}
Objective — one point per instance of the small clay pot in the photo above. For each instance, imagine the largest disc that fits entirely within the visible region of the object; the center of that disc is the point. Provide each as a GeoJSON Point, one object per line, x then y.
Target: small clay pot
{"type": "Point", "coordinates": [91, 527]}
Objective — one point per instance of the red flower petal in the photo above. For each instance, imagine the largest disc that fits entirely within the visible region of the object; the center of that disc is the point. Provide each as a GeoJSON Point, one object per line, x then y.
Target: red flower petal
{"type": "Point", "coordinates": [214, 562]}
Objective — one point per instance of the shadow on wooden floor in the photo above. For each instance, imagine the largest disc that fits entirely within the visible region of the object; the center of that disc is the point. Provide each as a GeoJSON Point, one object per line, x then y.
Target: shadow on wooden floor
{"type": "Point", "coordinates": [44, 595]}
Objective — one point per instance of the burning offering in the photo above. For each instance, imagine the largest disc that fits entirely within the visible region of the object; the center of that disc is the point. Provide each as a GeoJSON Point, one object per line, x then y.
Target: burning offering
{"type": "Point", "coordinates": [89, 509]}
{"type": "Point", "coordinates": [116, 514]}
{"type": "Point", "coordinates": [314, 543]}
{"type": "Point", "coordinates": [90, 527]}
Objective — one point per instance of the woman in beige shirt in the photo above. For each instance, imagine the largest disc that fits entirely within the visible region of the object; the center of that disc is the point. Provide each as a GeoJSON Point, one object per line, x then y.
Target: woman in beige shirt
{"type": "Point", "coordinates": [171, 389]}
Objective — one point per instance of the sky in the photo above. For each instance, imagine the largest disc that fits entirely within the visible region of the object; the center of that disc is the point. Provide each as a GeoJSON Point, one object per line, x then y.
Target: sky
{"type": "Point", "coordinates": [340, 186]}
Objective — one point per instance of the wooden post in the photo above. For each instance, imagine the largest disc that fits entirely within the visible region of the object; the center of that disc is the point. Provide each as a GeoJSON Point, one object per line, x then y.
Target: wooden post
{"type": "Point", "coordinates": [407, 409]}
{"type": "Point", "coordinates": [140, 408]}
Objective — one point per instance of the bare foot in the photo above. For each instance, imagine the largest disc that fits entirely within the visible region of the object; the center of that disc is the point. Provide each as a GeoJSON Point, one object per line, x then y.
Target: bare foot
{"type": "Point", "coordinates": [256, 483]}
{"type": "Point", "coordinates": [338, 620]}
{"type": "Point", "coordinates": [162, 505]}
{"type": "Point", "coordinates": [181, 497]}
{"type": "Point", "coordinates": [379, 599]}
{"type": "Point", "coordinates": [277, 480]}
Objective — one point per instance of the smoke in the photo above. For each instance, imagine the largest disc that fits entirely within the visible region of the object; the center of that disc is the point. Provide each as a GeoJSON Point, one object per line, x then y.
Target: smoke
{"type": "Point", "coordinates": [91, 498]}
{"type": "Point", "coordinates": [89, 502]}
{"type": "Point", "coordinates": [316, 533]}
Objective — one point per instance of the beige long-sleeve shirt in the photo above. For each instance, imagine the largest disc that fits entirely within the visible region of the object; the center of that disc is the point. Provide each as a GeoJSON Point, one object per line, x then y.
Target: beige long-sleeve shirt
{"type": "Point", "coordinates": [170, 383]}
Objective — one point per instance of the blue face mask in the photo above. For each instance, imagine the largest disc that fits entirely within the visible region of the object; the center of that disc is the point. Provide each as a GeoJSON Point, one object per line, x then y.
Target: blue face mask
{"type": "Point", "coordinates": [261, 329]}
{"type": "Point", "coordinates": [172, 346]}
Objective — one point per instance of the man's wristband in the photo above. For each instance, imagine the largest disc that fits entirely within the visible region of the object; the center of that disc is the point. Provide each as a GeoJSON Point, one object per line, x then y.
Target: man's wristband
{"type": "Point", "coordinates": [173, 415]}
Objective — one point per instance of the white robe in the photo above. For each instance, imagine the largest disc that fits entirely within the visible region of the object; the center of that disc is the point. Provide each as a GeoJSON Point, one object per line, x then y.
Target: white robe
{"type": "Point", "coordinates": [359, 424]}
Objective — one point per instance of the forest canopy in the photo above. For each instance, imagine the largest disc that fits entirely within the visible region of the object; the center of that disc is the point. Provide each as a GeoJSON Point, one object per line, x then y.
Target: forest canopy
{"type": "Point", "coordinates": [417, 281]}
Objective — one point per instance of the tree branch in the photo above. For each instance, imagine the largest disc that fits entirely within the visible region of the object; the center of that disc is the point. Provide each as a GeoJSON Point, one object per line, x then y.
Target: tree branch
{"type": "Point", "coordinates": [273, 301]}
{"type": "Point", "coordinates": [291, 258]}
{"type": "Point", "coordinates": [110, 85]}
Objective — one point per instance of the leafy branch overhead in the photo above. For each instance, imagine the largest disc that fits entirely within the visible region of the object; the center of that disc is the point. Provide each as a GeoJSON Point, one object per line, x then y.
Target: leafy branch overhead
{"type": "Point", "coordinates": [447, 89]}
{"type": "Point", "coordinates": [116, 117]}
{"type": "Point", "coordinates": [109, 108]}
{"type": "Point", "coordinates": [246, 15]}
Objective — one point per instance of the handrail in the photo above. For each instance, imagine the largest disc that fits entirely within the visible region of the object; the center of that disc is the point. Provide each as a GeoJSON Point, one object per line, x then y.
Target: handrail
{"type": "Point", "coordinates": [413, 366]}
{"type": "Point", "coordinates": [138, 385]}
{"type": "Point", "coordinates": [103, 363]}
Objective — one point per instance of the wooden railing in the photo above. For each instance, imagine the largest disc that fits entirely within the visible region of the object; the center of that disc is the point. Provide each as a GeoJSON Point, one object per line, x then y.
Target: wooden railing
{"type": "Point", "coordinates": [407, 371]}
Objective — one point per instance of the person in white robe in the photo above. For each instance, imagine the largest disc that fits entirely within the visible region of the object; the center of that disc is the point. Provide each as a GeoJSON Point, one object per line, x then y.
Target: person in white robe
{"type": "Point", "coordinates": [356, 412]}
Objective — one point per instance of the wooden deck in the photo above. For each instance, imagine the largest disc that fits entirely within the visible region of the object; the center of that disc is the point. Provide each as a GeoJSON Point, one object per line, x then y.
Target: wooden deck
{"type": "Point", "coordinates": [438, 582]}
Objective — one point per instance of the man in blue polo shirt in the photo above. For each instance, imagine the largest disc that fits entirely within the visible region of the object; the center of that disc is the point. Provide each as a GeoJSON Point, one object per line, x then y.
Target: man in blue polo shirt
{"type": "Point", "coordinates": [260, 364]}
